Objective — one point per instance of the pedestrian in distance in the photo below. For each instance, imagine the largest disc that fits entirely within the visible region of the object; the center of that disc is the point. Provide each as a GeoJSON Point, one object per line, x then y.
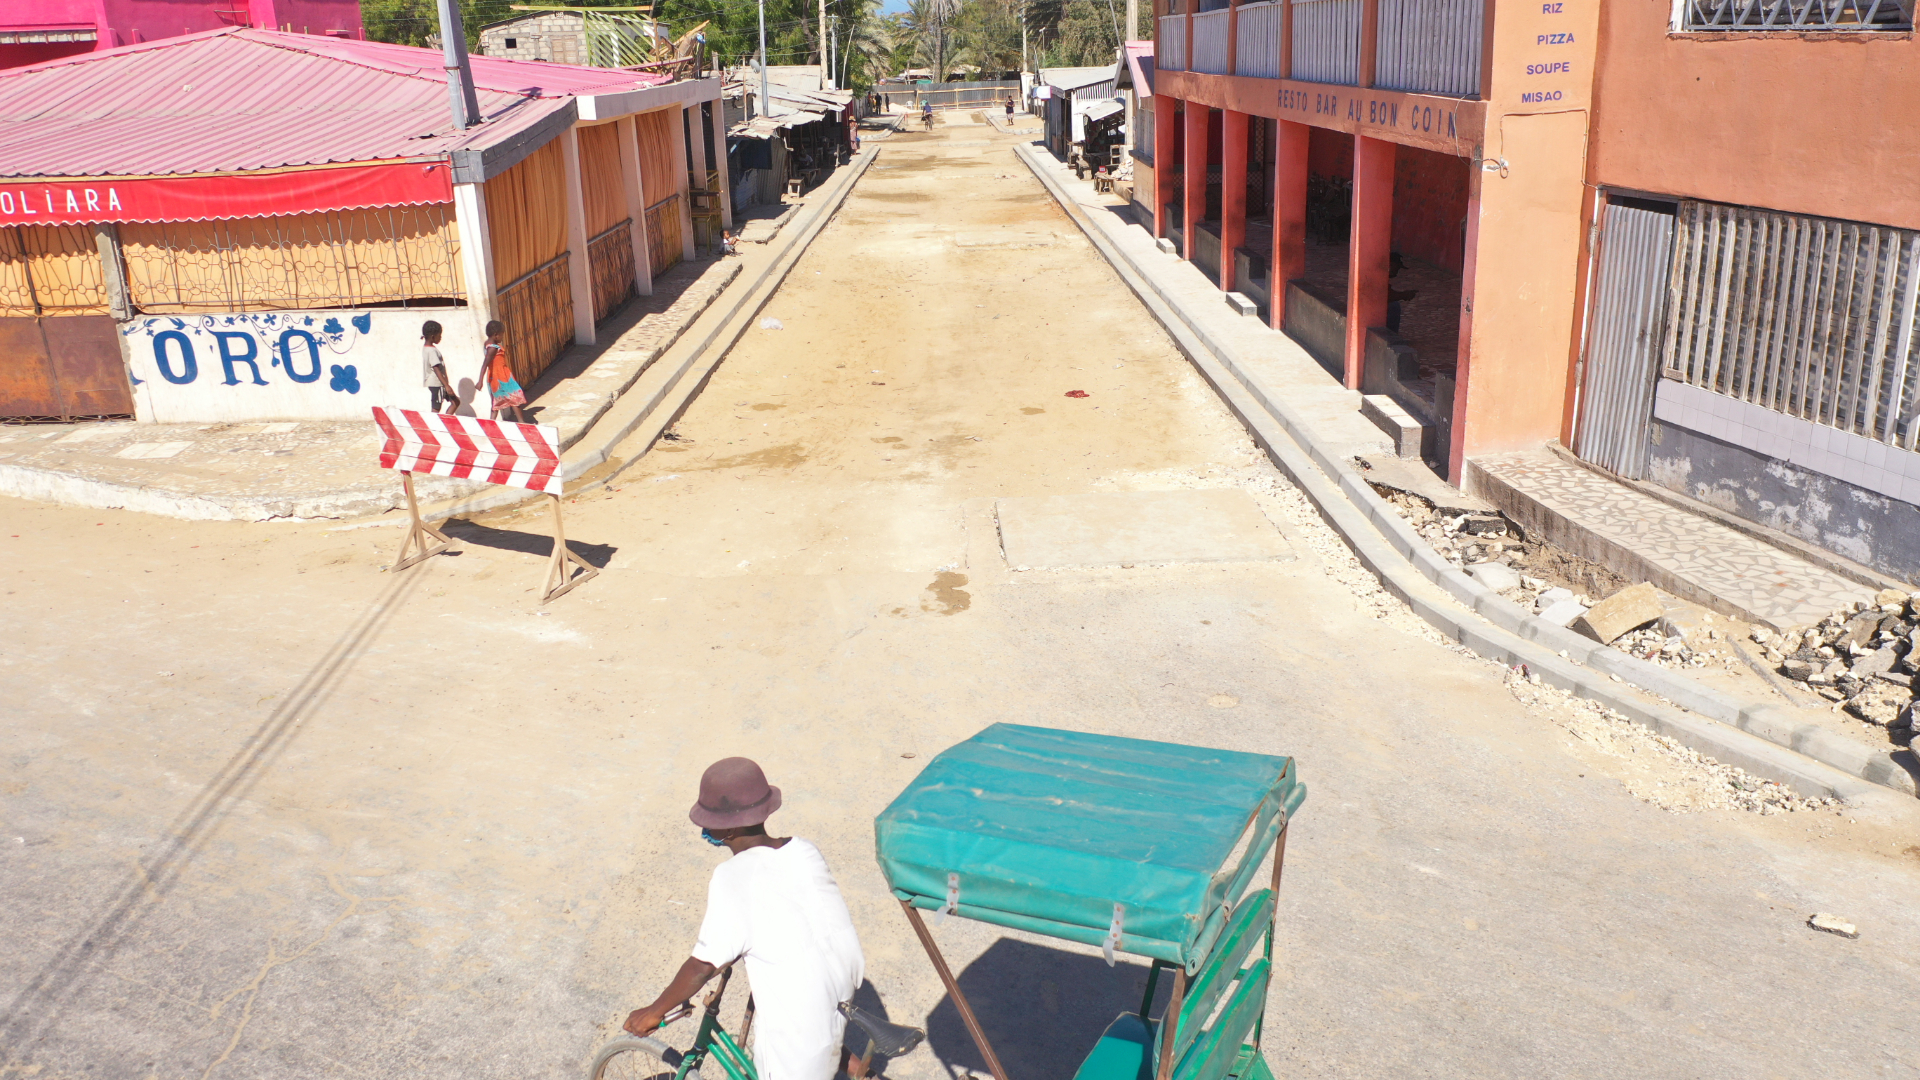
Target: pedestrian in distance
{"type": "Point", "coordinates": [773, 903]}
{"type": "Point", "coordinates": [926, 113]}
{"type": "Point", "coordinates": [509, 401]}
{"type": "Point", "coordinates": [729, 243]}
{"type": "Point", "coordinates": [1009, 100]}
{"type": "Point", "coordinates": [433, 370]}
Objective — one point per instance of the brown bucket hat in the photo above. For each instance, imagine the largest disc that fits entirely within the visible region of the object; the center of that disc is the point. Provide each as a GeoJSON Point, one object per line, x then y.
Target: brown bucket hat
{"type": "Point", "coordinates": [734, 793]}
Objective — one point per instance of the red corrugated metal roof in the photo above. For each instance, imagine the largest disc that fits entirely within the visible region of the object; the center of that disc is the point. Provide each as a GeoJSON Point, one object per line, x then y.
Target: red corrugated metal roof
{"type": "Point", "coordinates": [233, 100]}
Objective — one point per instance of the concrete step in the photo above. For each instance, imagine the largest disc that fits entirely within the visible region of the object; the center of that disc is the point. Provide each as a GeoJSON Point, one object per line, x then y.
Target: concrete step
{"type": "Point", "coordinates": [1646, 539]}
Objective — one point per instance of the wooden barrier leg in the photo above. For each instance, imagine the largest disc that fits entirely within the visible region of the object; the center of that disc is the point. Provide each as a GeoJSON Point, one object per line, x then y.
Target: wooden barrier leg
{"type": "Point", "coordinates": [559, 580]}
{"type": "Point", "coordinates": [417, 532]}
{"type": "Point", "coordinates": [953, 991]}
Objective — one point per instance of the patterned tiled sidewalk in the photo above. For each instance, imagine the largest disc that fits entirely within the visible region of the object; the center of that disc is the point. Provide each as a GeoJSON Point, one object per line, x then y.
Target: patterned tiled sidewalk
{"type": "Point", "coordinates": [1757, 580]}
{"type": "Point", "coordinates": [327, 468]}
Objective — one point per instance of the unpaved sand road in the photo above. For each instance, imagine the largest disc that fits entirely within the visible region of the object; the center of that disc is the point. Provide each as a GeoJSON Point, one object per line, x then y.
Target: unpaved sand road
{"type": "Point", "coordinates": [269, 812]}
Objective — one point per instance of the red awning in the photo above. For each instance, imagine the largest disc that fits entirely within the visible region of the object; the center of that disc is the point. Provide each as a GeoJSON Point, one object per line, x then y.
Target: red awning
{"type": "Point", "coordinates": [196, 198]}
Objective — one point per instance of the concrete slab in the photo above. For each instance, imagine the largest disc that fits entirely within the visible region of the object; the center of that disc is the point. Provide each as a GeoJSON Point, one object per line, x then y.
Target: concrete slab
{"type": "Point", "coordinates": [1123, 528]}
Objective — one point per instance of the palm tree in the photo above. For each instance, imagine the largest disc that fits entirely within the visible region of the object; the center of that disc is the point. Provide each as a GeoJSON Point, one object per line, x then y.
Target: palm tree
{"type": "Point", "coordinates": [872, 39]}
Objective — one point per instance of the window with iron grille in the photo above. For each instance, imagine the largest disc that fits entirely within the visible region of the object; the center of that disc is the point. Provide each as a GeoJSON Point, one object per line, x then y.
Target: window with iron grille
{"type": "Point", "coordinates": [1797, 16]}
{"type": "Point", "coordinates": [1812, 317]}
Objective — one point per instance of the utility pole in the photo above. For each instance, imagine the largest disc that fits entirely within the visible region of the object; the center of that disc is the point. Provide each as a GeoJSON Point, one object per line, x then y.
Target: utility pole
{"type": "Point", "coordinates": [1133, 25]}
{"type": "Point", "coordinates": [761, 108]}
{"type": "Point", "coordinates": [453, 49]}
{"type": "Point", "coordinates": [832, 53]}
{"type": "Point", "coordinates": [826, 72]}
{"type": "Point", "coordinates": [1023, 37]}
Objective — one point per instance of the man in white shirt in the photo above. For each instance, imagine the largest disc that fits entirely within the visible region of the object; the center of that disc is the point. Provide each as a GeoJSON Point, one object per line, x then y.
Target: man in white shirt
{"type": "Point", "coordinates": [774, 902]}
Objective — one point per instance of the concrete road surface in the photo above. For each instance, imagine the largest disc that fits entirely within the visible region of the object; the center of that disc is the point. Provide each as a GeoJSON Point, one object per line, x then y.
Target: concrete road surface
{"type": "Point", "coordinates": [269, 812]}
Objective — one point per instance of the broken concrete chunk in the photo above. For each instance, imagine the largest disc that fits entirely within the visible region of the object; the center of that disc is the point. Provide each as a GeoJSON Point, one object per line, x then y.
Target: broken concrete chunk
{"type": "Point", "coordinates": [1797, 670]}
{"type": "Point", "coordinates": [1495, 576]}
{"type": "Point", "coordinates": [1889, 596]}
{"type": "Point", "coordinates": [1880, 703]}
{"type": "Point", "coordinates": [1861, 630]}
{"type": "Point", "coordinates": [1551, 597]}
{"type": "Point", "coordinates": [1563, 612]}
{"type": "Point", "coordinates": [1628, 609]}
{"type": "Point", "coordinates": [1875, 663]}
{"type": "Point", "coordinates": [1834, 924]}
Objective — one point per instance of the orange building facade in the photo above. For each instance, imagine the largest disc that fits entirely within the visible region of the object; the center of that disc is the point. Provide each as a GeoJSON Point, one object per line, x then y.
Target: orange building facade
{"type": "Point", "coordinates": [1430, 188]}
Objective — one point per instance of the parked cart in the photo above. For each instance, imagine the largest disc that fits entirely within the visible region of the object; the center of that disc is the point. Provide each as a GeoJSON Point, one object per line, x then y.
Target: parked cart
{"type": "Point", "coordinates": [1137, 847]}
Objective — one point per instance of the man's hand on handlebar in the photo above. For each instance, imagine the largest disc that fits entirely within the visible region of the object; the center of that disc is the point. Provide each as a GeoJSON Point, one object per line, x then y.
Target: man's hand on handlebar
{"type": "Point", "coordinates": [646, 1021]}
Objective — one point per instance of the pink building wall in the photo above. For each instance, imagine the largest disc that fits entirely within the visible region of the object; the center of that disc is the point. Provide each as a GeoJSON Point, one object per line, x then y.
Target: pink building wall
{"type": "Point", "coordinates": [124, 22]}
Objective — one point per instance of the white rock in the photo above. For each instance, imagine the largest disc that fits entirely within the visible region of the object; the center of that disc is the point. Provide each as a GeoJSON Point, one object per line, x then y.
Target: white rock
{"type": "Point", "coordinates": [1551, 597]}
{"type": "Point", "coordinates": [1494, 576]}
{"type": "Point", "coordinates": [1834, 924]}
{"type": "Point", "coordinates": [1563, 612]}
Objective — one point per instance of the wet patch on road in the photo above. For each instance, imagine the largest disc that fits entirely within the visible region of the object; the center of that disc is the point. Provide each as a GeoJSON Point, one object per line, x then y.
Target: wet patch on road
{"type": "Point", "coordinates": [945, 597]}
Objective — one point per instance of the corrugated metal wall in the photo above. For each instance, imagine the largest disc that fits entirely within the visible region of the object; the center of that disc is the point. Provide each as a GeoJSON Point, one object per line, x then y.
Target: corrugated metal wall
{"type": "Point", "coordinates": [1326, 41]}
{"type": "Point", "coordinates": [1170, 44]}
{"type": "Point", "coordinates": [1259, 51]}
{"type": "Point", "coordinates": [1429, 46]}
{"type": "Point", "coordinates": [1623, 338]}
{"type": "Point", "coordinates": [1210, 42]}
{"type": "Point", "coordinates": [1807, 316]}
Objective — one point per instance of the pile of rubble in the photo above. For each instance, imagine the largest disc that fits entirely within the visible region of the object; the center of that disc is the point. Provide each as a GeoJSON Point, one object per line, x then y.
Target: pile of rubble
{"type": "Point", "coordinates": [1861, 657]}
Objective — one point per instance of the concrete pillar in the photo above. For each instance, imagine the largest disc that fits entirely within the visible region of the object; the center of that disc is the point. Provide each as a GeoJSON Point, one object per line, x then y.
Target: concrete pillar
{"type": "Point", "coordinates": [678, 126]}
{"type": "Point", "coordinates": [579, 270]}
{"type": "Point", "coordinates": [628, 131]}
{"type": "Point", "coordinates": [1289, 213]}
{"type": "Point", "coordinates": [719, 112]}
{"type": "Point", "coordinates": [113, 270]}
{"type": "Point", "coordinates": [476, 250]}
{"type": "Point", "coordinates": [1195, 180]}
{"type": "Point", "coordinates": [1369, 248]}
{"type": "Point", "coordinates": [1524, 233]}
{"type": "Point", "coordinates": [1233, 192]}
{"type": "Point", "coordinates": [1165, 168]}
{"type": "Point", "coordinates": [700, 146]}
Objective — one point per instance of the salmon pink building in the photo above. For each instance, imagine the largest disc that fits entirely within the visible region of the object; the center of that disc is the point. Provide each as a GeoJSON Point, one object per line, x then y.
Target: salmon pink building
{"type": "Point", "coordinates": [1586, 222]}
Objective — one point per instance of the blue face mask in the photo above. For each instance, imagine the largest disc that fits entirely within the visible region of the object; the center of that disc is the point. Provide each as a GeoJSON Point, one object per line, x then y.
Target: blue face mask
{"type": "Point", "coordinates": [712, 839]}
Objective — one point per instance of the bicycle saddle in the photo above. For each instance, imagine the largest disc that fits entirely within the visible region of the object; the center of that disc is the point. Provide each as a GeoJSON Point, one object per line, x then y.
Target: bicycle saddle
{"type": "Point", "coordinates": [889, 1040]}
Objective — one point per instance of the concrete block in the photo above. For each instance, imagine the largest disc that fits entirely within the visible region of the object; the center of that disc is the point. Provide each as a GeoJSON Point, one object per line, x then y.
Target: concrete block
{"type": "Point", "coordinates": [1551, 597]}
{"type": "Point", "coordinates": [1628, 609]}
{"type": "Point", "coordinates": [1496, 576]}
{"type": "Point", "coordinates": [1406, 432]}
{"type": "Point", "coordinates": [1242, 304]}
{"type": "Point", "coordinates": [1165, 244]}
{"type": "Point", "coordinates": [1563, 612]}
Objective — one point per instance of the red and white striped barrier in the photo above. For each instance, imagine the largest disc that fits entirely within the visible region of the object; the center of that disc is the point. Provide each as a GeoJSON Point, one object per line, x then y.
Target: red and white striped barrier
{"type": "Point", "coordinates": [470, 448]}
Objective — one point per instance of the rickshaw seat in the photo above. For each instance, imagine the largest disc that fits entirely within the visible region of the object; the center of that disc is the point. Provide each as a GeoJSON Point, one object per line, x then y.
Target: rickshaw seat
{"type": "Point", "coordinates": [1222, 972]}
{"type": "Point", "coordinates": [1124, 1052]}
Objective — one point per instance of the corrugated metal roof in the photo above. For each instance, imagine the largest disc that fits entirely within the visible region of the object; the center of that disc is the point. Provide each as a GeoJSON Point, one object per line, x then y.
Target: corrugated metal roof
{"type": "Point", "coordinates": [1073, 78]}
{"type": "Point", "coordinates": [234, 100]}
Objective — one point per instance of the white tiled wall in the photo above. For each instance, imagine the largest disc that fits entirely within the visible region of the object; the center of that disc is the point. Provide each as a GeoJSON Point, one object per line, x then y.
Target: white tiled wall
{"type": "Point", "coordinates": [1862, 462]}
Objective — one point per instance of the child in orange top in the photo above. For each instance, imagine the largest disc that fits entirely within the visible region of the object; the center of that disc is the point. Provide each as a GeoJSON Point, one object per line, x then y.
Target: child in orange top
{"type": "Point", "coordinates": [509, 401]}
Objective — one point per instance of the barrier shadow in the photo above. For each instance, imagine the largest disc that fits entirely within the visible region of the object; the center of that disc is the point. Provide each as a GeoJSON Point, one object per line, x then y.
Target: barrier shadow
{"type": "Point", "coordinates": [528, 543]}
{"type": "Point", "coordinates": [1042, 1009]}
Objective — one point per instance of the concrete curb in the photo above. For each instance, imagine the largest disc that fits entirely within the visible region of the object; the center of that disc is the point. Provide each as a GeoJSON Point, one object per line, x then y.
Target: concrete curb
{"type": "Point", "coordinates": [1762, 738]}
{"type": "Point", "coordinates": [643, 406]}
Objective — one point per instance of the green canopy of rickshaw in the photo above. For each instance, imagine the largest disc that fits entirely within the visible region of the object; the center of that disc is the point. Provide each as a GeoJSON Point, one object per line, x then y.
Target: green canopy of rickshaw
{"type": "Point", "coordinates": [1047, 831]}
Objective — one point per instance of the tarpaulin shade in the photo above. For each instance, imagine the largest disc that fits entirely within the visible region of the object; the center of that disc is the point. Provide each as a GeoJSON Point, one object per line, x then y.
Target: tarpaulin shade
{"type": "Point", "coordinates": [1046, 831]}
{"type": "Point", "coordinates": [205, 198]}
